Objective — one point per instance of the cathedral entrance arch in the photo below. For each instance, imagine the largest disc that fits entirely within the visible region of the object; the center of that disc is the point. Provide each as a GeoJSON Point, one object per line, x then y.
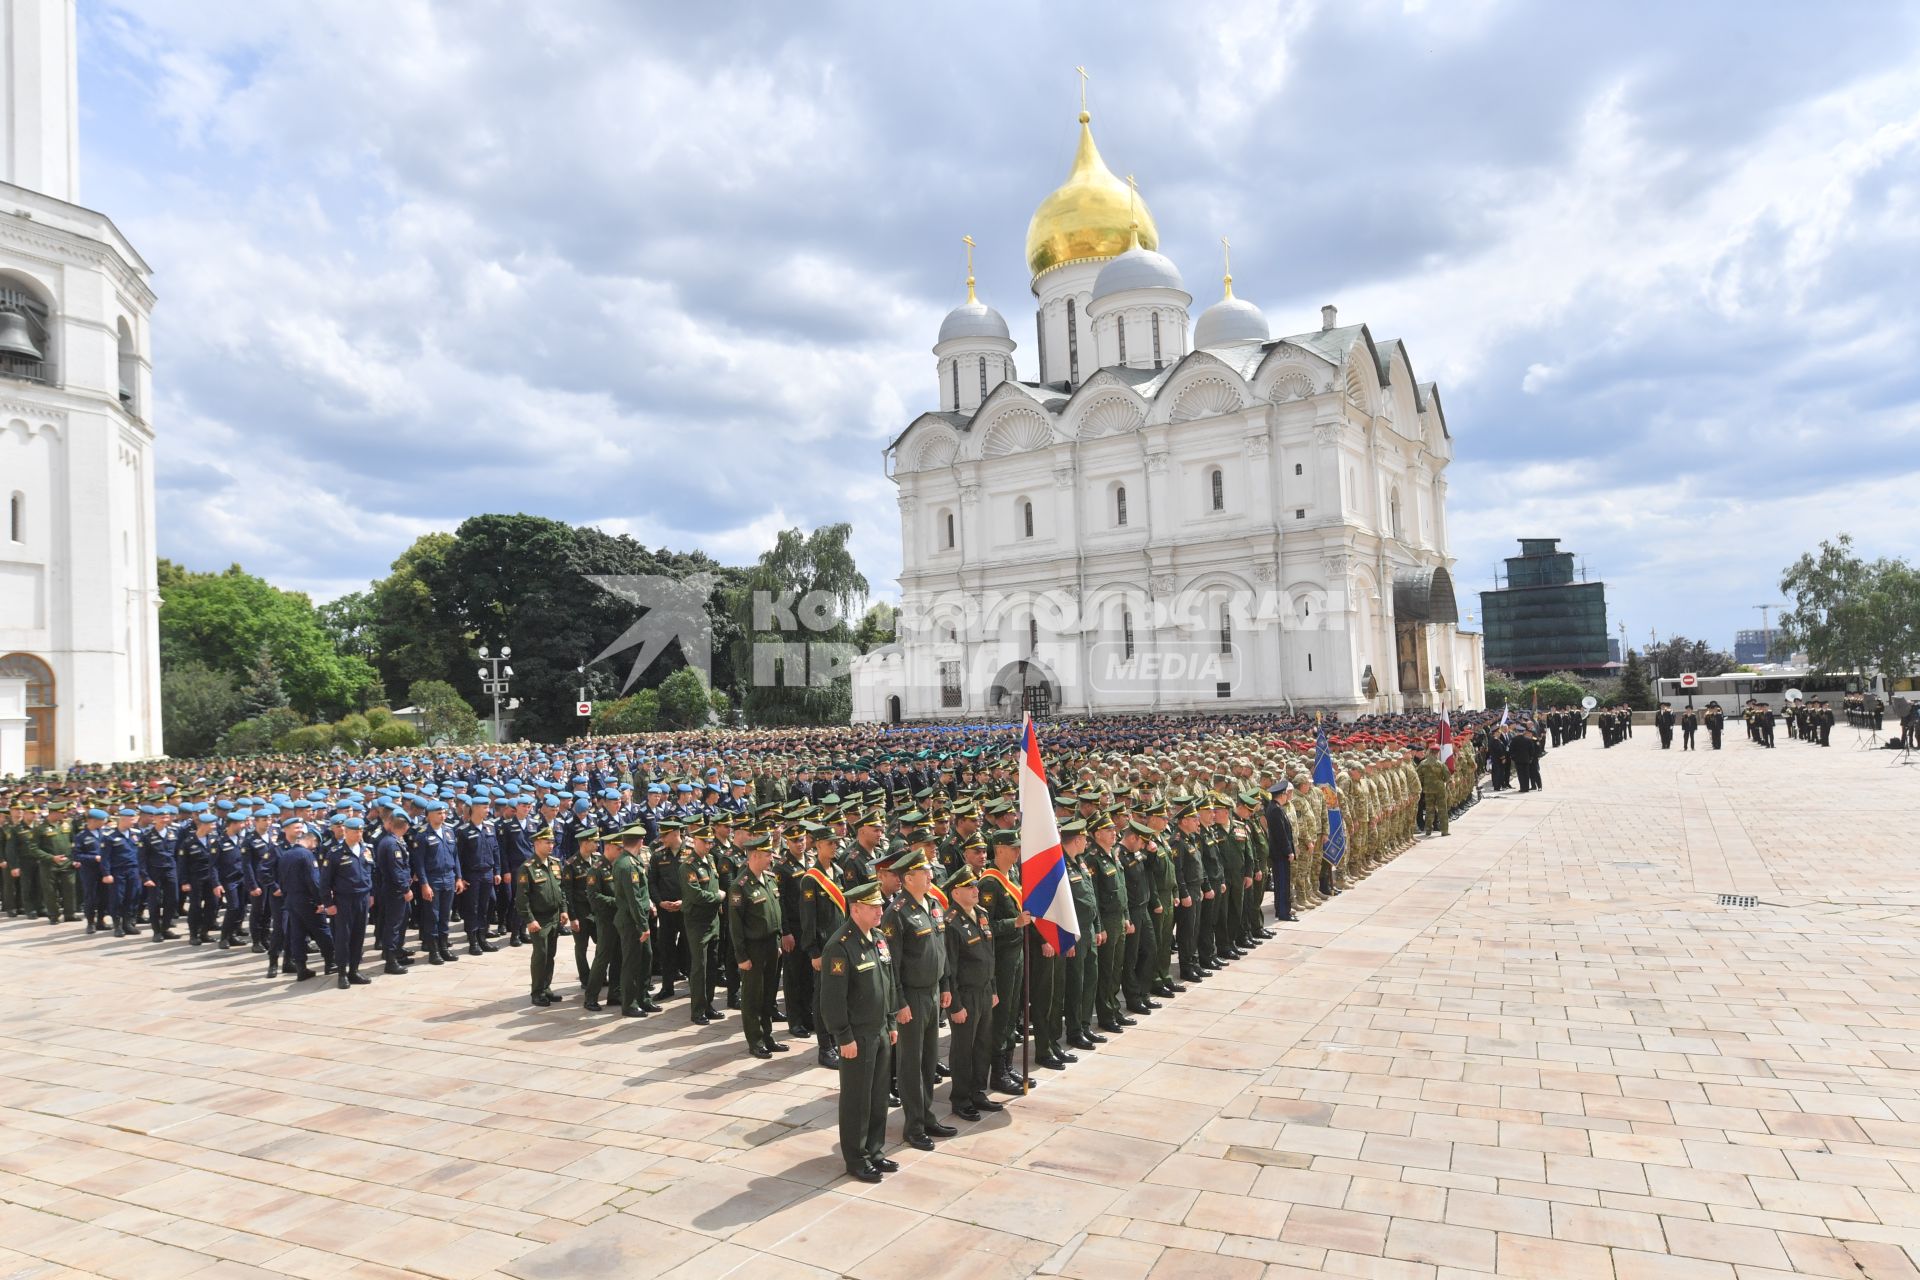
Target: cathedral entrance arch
{"type": "Point", "coordinates": [893, 709]}
{"type": "Point", "coordinates": [1025, 685]}
{"type": "Point", "coordinates": [40, 706]}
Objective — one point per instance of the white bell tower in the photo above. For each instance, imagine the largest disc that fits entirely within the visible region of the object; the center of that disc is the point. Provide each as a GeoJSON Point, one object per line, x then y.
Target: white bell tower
{"type": "Point", "coordinates": [79, 604]}
{"type": "Point", "coordinates": [41, 97]}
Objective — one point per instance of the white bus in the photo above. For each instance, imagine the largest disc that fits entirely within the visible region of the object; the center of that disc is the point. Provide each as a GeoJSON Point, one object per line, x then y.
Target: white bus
{"type": "Point", "coordinates": [1733, 690]}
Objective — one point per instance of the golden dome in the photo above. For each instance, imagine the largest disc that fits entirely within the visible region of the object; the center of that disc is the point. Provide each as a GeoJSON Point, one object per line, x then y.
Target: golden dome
{"type": "Point", "coordinates": [1089, 216]}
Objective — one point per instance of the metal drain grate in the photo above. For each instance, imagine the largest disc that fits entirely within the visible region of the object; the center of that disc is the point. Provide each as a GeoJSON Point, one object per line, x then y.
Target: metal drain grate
{"type": "Point", "coordinates": [1738, 900]}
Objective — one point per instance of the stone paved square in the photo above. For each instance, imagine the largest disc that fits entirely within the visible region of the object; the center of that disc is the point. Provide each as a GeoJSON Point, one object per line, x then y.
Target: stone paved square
{"type": "Point", "coordinates": [1538, 1048]}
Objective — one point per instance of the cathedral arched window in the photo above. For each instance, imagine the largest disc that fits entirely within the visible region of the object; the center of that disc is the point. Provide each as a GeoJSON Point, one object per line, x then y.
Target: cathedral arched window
{"type": "Point", "coordinates": [26, 343]}
{"type": "Point", "coordinates": [1033, 635]}
{"type": "Point", "coordinates": [1026, 519]}
{"type": "Point", "coordinates": [1126, 633]}
{"type": "Point", "coordinates": [1156, 340]}
{"type": "Point", "coordinates": [983, 377]}
{"type": "Point", "coordinates": [129, 370]}
{"type": "Point", "coordinates": [1217, 489]}
{"type": "Point", "coordinates": [1073, 344]}
{"type": "Point", "coordinates": [17, 518]}
{"type": "Point", "coordinates": [956, 386]}
{"type": "Point", "coordinates": [1120, 324]}
{"type": "Point", "coordinates": [1393, 513]}
{"type": "Point", "coordinates": [947, 519]}
{"type": "Point", "coordinates": [1226, 629]}
{"type": "Point", "coordinates": [1120, 506]}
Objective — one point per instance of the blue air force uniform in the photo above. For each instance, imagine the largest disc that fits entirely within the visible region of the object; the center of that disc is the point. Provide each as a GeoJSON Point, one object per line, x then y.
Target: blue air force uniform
{"type": "Point", "coordinates": [346, 882]}
{"type": "Point", "coordinates": [436, 866]}
{"type": "Point", "coordinates": [120, 858]}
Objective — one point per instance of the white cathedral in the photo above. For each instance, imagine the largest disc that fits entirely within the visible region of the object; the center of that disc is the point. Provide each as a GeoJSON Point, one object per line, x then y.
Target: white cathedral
{"type": "Point", "coordinates": [1177, 515]}
{"type": "Point", "coordinates": [79, 605]}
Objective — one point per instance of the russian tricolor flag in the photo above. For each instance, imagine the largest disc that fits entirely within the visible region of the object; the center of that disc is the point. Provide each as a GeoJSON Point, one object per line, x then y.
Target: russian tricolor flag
{"type": "Point", "coordinates": [1043, 868]}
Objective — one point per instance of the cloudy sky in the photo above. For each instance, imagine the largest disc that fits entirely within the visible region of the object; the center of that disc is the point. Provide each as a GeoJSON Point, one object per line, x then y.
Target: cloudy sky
{"type": "Point", "coordinates": [619, 263]}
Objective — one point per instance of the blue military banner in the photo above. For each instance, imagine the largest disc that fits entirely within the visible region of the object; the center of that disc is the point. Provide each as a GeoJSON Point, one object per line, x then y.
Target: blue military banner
{"type": "Point", "coordinates": [1323, 779]}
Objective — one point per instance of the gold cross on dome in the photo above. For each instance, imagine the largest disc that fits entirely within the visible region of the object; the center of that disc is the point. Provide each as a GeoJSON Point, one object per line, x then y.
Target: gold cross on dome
{"type": "Point", "coordinates": [968, 241]}
{"type": "Point", "coordinates": [1083, 88]}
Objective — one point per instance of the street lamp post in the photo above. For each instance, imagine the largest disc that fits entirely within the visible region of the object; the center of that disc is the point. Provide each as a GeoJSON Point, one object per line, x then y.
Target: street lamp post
{"type": "Point", "coordinates": [494, 678]}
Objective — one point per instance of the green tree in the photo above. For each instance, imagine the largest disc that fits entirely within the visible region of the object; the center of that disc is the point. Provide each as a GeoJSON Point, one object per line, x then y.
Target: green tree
{"type": "Point", "coordinates": [263, 690]}
{"type": "Point", "coordinates": [1851, 615]}
{"type": "Point", "coordinates": [801, 597]}
{"type": "Point", "coordinates": [223, 621]}
{"type": "Point", "coordinates": [637, 713]}
{"type": "Point", "coordinates": [418, 630]}
{"type": "Point", "coordinates": [312, 739]}
{"type": "Point", "coordinates": [1635, 690]}
{"type": "Point", "coordinates": [259, 734]}
{"type": "Point", "coordinates": [445, 715]}
{"type": "Point", "coordinates": [393, 734]}
{"type": "Point", "coordinates": [197, 705]}
{"type": "Point", "coordinates": [1502, 690]}
{"type": "Point", "coordinates": [876, 626]}
{"type": "Point", "coordinates": [353, 623]}
{"type": "Point", "coordinates": [1554, 691]}
{"type": "Point", "coordinates": [1678, 655]}
{"type": "Point", "coordinates": [684, 700]}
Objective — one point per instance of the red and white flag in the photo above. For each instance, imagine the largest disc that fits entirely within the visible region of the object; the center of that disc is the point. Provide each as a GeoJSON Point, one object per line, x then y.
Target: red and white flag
{"type": "Point", "coordinates": [1446, 740]}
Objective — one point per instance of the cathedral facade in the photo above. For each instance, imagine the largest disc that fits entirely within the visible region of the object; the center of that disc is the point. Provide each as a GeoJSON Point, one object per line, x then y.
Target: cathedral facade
{"type": "Point", "coordinates": [1178, 514]}
{"type": "Point", "coordinates": [79, 606]}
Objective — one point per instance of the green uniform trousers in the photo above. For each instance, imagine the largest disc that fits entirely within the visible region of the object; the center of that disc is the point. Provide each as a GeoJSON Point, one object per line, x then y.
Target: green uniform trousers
{"type": "Point", "coordinates": [919, 1053]}
{"type": "Point", "coordinates": [757, 987]}
{"type": "Point", "coordinates": [1112, 957]}
{"type": "Point", "coordinates": [1009, 977]}
{"type": "Point", "coordinates": [864, 1080]}
{"type": "Point", "coordinates": [970, 1048]}
{"type": "Point", "coordinates": [544, 943]}
{"type": "Point", "coordinates": [605, 972]}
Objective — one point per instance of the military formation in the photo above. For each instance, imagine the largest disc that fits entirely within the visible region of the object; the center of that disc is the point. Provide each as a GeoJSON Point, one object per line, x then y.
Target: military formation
{"type": "Point", "coordinates": [863, 891]}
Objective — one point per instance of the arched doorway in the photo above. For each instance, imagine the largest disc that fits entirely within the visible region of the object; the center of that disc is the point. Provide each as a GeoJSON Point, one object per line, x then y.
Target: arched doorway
{"type": "Point", "coordinates": [40, 705]}
{"type": "Point", "coordinates": [893, 709]}
{"type": "Point", "coordinates": [1024, 685]}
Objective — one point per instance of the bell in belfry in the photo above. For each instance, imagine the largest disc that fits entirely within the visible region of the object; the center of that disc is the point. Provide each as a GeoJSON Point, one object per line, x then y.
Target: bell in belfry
{"type": "Point", "coordinates": [16, 336]}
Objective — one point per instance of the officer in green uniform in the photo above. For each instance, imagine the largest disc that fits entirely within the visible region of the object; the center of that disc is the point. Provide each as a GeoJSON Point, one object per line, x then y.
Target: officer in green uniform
{"type": "Point", "coordinates": [10, 828]}
{"type": "Point", "coordinates": [823, 911]}
{"type": "Point", "coordinates": [920, 969]}
{"type": "Point", "coordinates": [1116, 922]}
{"type": "Point", "coordinates": [1140, 961]}
{"type": "Point", "coordinates": [1433, 791]}
{"type": "Point", "coordinates": [1190, 875]}
{"type": "Point", "coordinates": [858, 1005]}
{"type": "Point", "coordinates": [700, 883]}
{"type": "Point", "coordinates": [1000, 899]}
{"type": "Point", "coordinates": [1083, 961]}
{"type": "Point", "coordinates": [1166, 897]}
{"type": "Point", "coordinates": [633, 916]}
{"type": "Point", "coordinates": [542, 899]}
{"type": "Point", "coordinates": [754, 926]}
{"type": "Point", "coordinates": [970, 957]}
{"type": "Point", "coordinates": [573, 879]}
{"type": "Point", "coordinates": [604, 900]}
{"type": "Point", "coordinates": [663, 877]}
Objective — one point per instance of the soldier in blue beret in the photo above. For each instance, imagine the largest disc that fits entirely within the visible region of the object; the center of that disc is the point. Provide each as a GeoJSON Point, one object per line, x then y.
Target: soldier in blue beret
{"type": "Point", "coordinates": [347, 889]}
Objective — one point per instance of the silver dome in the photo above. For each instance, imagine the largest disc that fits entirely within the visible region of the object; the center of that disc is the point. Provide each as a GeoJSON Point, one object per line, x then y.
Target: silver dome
{"type": "Point", "coordinates": [973, 320]}
{"type": "Point", "coordinates": [1137, 268]}
{"type": "Point", "coordinates": [1228, 321]}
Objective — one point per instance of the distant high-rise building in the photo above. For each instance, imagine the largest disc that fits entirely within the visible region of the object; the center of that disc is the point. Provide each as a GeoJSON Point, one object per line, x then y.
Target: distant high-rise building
{"type": "Point", "coordinates": [1543, 620]}
{"type": "Point", "coordinates": [1750, 647]}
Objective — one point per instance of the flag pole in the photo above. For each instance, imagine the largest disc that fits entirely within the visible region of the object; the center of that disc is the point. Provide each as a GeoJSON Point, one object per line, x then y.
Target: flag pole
{"type": "Point", "coordinates": [1026, 970]}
